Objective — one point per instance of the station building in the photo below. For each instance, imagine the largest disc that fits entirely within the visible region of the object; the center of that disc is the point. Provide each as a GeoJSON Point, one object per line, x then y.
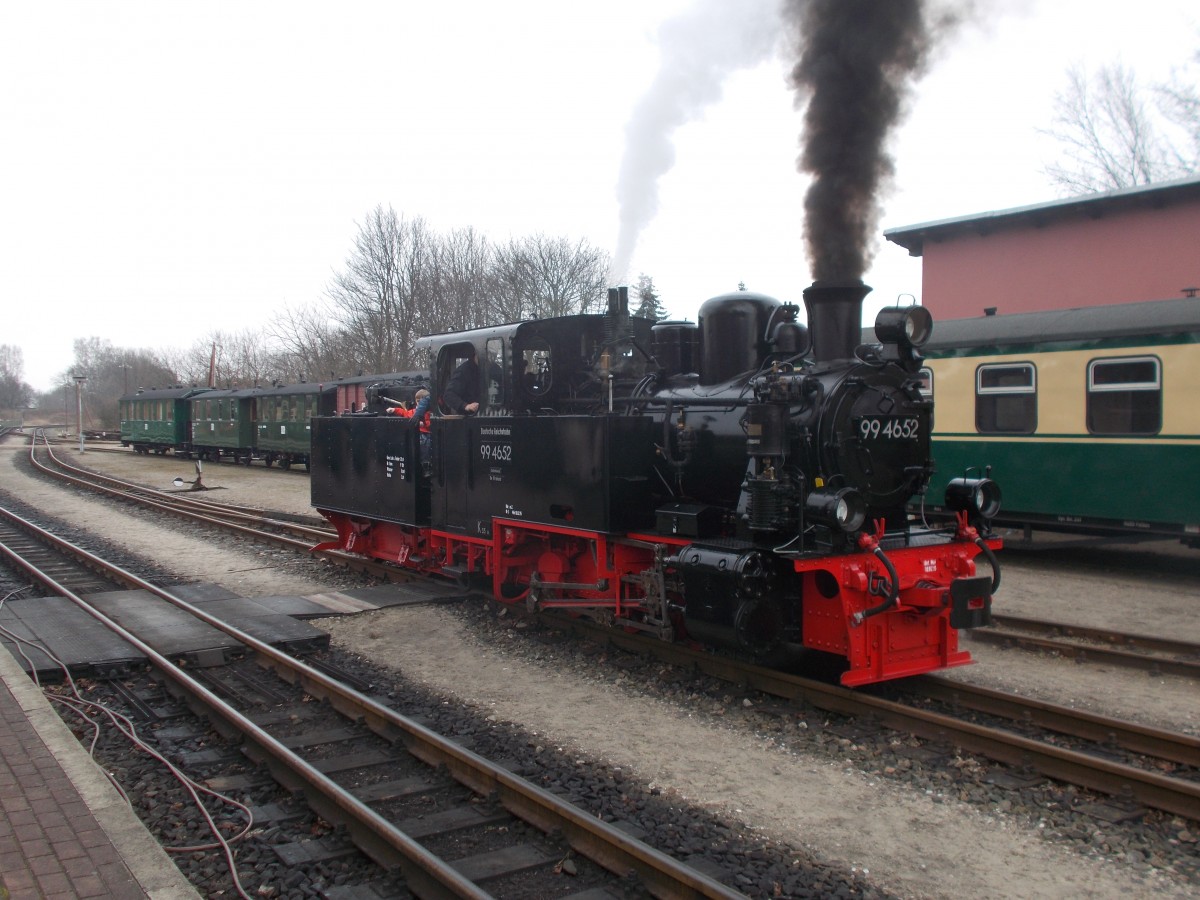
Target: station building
{"type": "Point", "coordinates": [1122, 246]}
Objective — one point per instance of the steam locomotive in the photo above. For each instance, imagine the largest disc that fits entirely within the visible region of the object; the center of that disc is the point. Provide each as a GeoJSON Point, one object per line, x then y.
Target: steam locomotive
{"type": "Point", "coordinates": [741, 482]}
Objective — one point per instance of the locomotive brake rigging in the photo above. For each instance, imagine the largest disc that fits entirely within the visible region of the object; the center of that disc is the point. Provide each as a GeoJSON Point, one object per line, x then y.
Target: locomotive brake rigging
{"type": "Point", "coordinates": [740, 482]}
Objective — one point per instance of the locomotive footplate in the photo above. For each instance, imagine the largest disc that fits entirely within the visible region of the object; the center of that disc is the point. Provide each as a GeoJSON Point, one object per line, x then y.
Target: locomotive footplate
{"type": "Point", "coordinates": [971, 602]}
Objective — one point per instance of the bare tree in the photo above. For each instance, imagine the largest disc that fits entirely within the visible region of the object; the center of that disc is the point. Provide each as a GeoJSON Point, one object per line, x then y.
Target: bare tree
{"type": "Point", "coordinates": [538, 277]}
{"type": "Point", "coordinates": [145, 369]}
{"type": "Point", "coordinates": [250, 359]}
{"type": "Point", "coordinates": [1116, 133]}
{"type": "Point", "coordinates": [465, 261]}
{"type": "Point", "coordinates": [1179, 100]}
{"type": "Point", "coordinates": [111, 372]}
{"type": "Point", "coordinates": [211, 360]}
{"type": "Point", "coordinates": [311, 346]}
{"type": "Point", "coordinates": [403, 280]}
{"type": "Point", "coordinates": [389, 277]}
{"type": "Point", "coordinates": [15, 393]}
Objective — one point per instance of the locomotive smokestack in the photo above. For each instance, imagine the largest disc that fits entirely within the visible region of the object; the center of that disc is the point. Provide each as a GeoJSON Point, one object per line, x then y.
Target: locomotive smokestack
{"type": "Point", "coordinates": [835, 317]}
{"type": "Point", "coordinates": [857, 60]}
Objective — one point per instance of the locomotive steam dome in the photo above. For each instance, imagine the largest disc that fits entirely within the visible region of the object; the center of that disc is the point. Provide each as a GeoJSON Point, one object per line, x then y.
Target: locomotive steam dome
{"type": "Point", "coordinates": [733, 334]}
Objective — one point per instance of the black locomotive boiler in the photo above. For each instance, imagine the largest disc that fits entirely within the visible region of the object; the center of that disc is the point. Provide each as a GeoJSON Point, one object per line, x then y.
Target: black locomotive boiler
{"type": "Point", "coordinates": [743, 481]}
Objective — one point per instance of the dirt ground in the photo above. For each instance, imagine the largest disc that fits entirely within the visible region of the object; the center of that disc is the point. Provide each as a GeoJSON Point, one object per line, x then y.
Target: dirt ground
{"type": "Point", "coordinates": [911, 843]}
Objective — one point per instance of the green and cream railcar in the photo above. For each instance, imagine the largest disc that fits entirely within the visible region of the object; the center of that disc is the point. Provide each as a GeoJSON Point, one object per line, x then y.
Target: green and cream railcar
{"type": "Point", "coordinates": [1089, 418]}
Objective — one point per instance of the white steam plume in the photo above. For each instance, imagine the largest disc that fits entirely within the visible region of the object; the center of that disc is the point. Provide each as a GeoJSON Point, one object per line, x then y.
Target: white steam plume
{"type": "Point", "coordinates": [700, 48]}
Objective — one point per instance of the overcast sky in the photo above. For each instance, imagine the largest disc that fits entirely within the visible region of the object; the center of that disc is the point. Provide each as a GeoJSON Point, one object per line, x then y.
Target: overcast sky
{"type": "Point", "coordinates": [169, 169]}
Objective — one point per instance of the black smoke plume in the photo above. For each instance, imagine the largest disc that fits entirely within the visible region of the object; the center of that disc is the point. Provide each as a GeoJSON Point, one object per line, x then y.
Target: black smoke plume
{"type": "Point", "coordinates": [857, 59]}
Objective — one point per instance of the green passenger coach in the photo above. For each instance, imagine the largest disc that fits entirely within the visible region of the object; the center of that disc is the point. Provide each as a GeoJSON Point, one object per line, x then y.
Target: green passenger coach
{"type": "Point", "coordinates": [223, 424]}
{"type": "Point", "coordinates": [1088, 417]}
{"type": "Point", "coordinates": [284, 429]}
{"type": "Point", "coordinates": [158, 420]}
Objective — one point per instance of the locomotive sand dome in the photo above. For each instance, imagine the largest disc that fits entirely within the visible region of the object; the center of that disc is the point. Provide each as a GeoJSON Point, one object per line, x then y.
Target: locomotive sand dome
{"type": "Point", "coordinates": [741, 490]}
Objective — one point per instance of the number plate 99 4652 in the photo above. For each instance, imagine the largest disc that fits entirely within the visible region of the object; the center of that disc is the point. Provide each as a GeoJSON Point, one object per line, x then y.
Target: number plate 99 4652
{"type": "Point", "coordinates": [888, 428]}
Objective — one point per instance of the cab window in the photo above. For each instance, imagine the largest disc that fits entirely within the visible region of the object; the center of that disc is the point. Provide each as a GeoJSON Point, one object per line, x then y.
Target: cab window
{"type": "Point", "coordinates": [536, 373]}
{"type": "Point", "coordinates": [494, 374]}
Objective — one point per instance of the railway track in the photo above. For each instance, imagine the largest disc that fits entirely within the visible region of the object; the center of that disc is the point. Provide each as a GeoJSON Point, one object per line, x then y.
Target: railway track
{"type": "Point", "coordinates": [1147, 766]}
{"type": "Point", "coordinates": [483, 829]}
{"type": "Point", "coordinates": [183, 502]}
{"type": "Point", "coordinates": [1158, 656]}
{"type": "Point", "coordinates": [297, 533]}
{"type": "Point", "coordinates": [1132, 763]}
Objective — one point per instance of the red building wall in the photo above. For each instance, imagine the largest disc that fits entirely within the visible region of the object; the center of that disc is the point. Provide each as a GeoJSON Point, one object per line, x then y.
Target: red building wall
{"type": "Point", "coordinates": [1120, 257]}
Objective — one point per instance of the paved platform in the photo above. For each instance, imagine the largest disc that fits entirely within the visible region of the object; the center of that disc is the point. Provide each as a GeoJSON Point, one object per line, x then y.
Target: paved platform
{"type": "Point", "coordinates": [64, 830]}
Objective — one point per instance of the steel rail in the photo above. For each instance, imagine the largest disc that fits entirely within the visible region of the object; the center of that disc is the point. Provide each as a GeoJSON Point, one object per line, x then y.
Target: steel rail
{"type": "Point", "coordinates": [1183, 657]}
{"type": "Point", "coordinates": [190, 496]}
{"type": "Point", "coordinates": [373, 567]}
{"type": "Point", "coordinates": [1152, 789]}
{"type": "Point", "coordinates": [1175, 795]}
{"type": "Point", "coordinates": [375, 835]}
{"type": "Point", "coordinates": [1132, 736]}
{"type": "Point", "coordinates": [172, 502]}
{"type": "Point", "coordinates": [605, 844]}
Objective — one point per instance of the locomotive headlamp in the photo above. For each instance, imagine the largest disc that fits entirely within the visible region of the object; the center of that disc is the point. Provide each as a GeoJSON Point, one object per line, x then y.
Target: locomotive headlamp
{"type": "Point", "coordinates": [908, 326]}
{"type": "Point", "coordinates": [977, 496]}
{"type": "Point", "coordinates": [844, 509]}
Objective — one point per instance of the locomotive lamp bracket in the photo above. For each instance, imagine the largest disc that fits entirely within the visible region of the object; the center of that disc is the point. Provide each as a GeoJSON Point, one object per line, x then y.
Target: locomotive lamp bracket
{"type": "Point", "coordinates": [844, 509]}
{"type": "Point", "coordinates": [904, 326]}
{"type": "Point", "coordinates": [979, 498]}
{"type": "Point", "coordinates": [902, 331]}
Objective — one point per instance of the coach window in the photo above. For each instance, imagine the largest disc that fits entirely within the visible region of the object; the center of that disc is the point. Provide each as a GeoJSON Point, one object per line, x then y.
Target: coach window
{"type": "Point", "coordinates": [1006, 399]}
{"type": "Point", "coordinates": [1124, 396]}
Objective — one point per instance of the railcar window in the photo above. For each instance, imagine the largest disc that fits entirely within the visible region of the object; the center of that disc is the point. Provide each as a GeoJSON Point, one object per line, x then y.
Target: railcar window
{"type": "Point", "coordinates": [1006, 399]}
{"type": "Point", "coordinates": [1124, 395]}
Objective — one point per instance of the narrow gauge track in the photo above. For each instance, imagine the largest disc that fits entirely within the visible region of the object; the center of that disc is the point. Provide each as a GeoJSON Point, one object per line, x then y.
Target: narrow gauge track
{"type": "Point", "coordinates": [180, 502]}
{"type": "Point", "coordinates": [1126, 777]}
{"type": "Point", "coordinates": [244, 520]}
{"type": "Point", "coordinates": [1159, 656]}
{"type": "Point", "coordinates": [492, 797]}
{"type": "Point", "coordinates": [1122, 759]}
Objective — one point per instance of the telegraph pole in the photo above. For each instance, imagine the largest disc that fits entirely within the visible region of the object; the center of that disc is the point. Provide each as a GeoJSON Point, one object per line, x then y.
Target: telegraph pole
{"type": "Point", "coordinates": [79, 382]}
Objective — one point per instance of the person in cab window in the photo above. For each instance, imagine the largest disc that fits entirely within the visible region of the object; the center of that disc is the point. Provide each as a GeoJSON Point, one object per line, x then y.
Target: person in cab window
{"type": "Point", "coordinates": [420, 413]}
{"type": "Point", "coordinates": [462, 391]}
